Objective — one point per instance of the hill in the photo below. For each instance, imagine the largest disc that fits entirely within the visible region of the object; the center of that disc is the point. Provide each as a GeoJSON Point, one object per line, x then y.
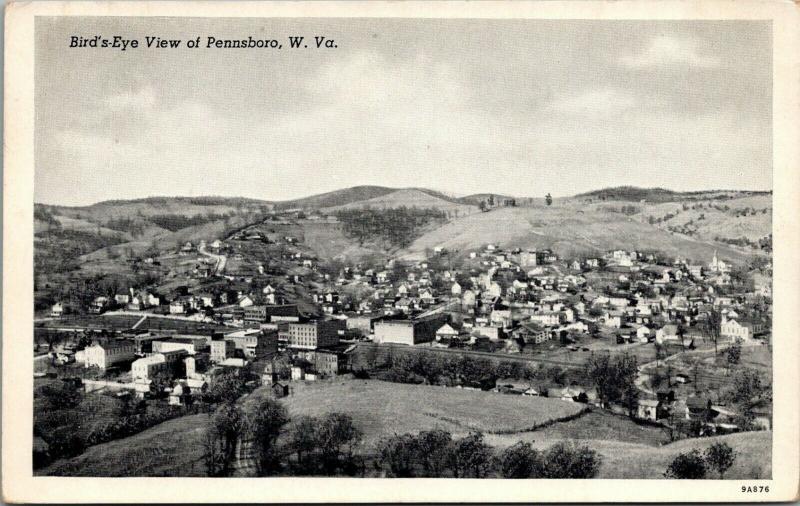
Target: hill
{"type": "Point", "coordinates": [569, 230]}
{"type": "Point", "coordinates": [336, 198]}
{"type": "Point", "coordinates": [410, 197]}
{"type": "Point", "coordinates": [636, 194]}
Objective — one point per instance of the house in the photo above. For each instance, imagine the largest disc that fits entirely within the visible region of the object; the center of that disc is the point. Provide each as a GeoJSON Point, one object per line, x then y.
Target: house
{"type": "Point", "coordinates": [59, 309]}
{"type": "Point", "coordinates": [180, 394]}
{"type": "Point", "coordinates": [446, 332]}
{"type": "Point", "coordinates": [325, 363]}
{"type": "Point", "coordinates": [532, 333]}
{"type": "Point", "coordinates": [99, 305]}
{"type": "Point", "coordinates": [179, 306]}
{"type": "Point", "coordinates": [643, 334]}
{"type": "Point", "coordinates": [245, 301]}
{"type": "Point", "coordinates": [648, 409]}
{"type": "Point", "coordinates": [549, 318]}
{"type": "Point", "coordinates": [667, 333]}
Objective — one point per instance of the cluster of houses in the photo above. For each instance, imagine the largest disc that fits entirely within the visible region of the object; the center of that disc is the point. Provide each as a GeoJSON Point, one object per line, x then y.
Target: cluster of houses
{"type": "Point", "coordinates": [496, 299]}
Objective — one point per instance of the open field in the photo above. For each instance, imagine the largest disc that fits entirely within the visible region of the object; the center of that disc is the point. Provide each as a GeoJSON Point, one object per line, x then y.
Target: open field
{"type": "Point", "coordinates": [631, 461]}
{"type": "Point", "coordinates": [382, 409]}
{"type": "Point", "coordinates": [596, 425]}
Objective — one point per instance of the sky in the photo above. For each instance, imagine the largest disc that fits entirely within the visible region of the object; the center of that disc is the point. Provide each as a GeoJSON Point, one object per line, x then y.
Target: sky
{"type": "Point", "coordinates": [517, 107]}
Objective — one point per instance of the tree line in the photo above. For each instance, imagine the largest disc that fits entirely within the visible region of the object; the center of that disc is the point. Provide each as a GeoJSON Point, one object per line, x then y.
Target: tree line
{"type": "Point", "coordinates": [331, 445]}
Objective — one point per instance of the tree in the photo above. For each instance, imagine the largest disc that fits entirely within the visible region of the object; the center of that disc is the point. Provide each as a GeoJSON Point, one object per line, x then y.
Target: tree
{"type": "Point", "coordinates": [470, 457]}
{"type": "Point", "coordinates": [222, 435]}
{"type": "Point", "coordinates": [303, 441]}
{"type": "Point", "coordinates": [687, 466]}
{"type": "Point", "coordinates": [398, 454]}
{"type": "Point", "coordinates": [747, 386]}
{"type": "Point", "coordinates": [337, 437]}
{"type": "Point", "coordinates": [549, 199]}
{"type": "Point", "coordinates": [720, 457]}
{"type": "Point", "coordinates": [226, 387]}
{"type": "Point", "coordinates": [615, 380]}
{"type": "Point", "coordinates": [264, 422]}
{"type": "Point", "coordinates": [711, 326]}
{"type": "Point", "coordinates": [491, 200]}
{"type": "Point", "coordinates": [567, 460]}
{"type": "Point", "coordinates": [519, 461]}
{"type": "Point", "coordinates": [482, 206]}
{"type": "Point", "coordinates": [734, 354]}
{"type": "Point", "coordinates": [433, 448]}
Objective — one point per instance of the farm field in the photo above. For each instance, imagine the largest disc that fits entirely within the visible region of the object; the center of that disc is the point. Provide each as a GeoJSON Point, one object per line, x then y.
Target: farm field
{"type": "Point", "coordinates": [382, 409]}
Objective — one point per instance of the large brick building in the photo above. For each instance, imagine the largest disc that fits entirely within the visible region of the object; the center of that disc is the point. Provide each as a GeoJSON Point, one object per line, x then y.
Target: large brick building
{"type": "Point", "coordinates": [315, 334]}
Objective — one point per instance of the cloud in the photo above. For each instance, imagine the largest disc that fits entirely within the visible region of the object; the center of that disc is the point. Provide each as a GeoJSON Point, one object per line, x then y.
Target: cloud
{"type": "Point", "coordinates": [666, 50]}
{"type": "Point", "coordinates": [595, 102]}
{"type": "Point", "coordinates": [144, 98]}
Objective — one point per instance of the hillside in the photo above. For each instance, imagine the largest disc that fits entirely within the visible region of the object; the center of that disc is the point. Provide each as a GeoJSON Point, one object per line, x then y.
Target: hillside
{"type": "Point", "coordinates": [636, 194]}
{"type": "Point", "coordinates": [409, 197]}
{"type": "Point", "coordinates": [567, 230]}
{"type": "Point", "coordinates": [692, 224]}
{"type": "Point", "coordinates": [336, 197]}
{"type": "Point", "coordinates": [628, 450]}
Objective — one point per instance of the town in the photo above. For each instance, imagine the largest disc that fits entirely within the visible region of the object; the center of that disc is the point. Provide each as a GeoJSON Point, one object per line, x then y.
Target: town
{"type": "Point", "coordinates": [679, 346]}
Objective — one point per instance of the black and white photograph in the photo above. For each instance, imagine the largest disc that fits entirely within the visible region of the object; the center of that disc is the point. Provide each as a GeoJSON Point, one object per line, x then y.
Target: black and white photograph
{"type": "Point", "coordinates": [403, 247]}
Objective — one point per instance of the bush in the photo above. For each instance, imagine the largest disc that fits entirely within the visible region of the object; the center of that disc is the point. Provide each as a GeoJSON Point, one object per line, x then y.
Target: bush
{"type": "Point", "coordinates": [519, 461]}
{"type": "Point", "coordinates": [567, 460]}
{"type": "Point", "coordinates": [720, 457]}
{"type": "Point", "coordinates": [687, 466]}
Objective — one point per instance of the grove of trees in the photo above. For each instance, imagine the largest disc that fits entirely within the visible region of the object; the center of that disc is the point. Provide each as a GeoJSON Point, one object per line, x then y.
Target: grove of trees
{"type": "Point", "coordinates": [396, 226]}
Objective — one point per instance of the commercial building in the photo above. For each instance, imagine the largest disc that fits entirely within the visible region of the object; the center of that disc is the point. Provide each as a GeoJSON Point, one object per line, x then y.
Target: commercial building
{"type": "Point", "coordinates": [221, 349]}
{"type": "Point", "coordinates": [409, 332]}
{"type": "Point", "coordinates": [315, 334]}
{"type": "Point", "coordinates": [105, 355]}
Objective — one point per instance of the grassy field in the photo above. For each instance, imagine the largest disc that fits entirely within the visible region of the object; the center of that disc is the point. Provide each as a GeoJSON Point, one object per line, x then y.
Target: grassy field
{"type": "Point", "coordinates": [382, 409]}
{"type": "Point", "coordinates": [626, 461]}
{"type": "Point", "coordinates": [173, 448]}
{"type": "Point", "coordinates": [596, 425]}
{"type": "Point", "coordinates": [568, 230]}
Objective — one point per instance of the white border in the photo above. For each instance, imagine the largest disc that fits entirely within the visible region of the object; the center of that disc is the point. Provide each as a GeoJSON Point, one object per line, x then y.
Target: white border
{"type": "Point", "coordinates": [20, 486]}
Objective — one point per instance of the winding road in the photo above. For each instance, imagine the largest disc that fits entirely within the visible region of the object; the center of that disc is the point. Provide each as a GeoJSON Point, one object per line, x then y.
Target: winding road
{"type": "Point", "coordinates": [221, 260]}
